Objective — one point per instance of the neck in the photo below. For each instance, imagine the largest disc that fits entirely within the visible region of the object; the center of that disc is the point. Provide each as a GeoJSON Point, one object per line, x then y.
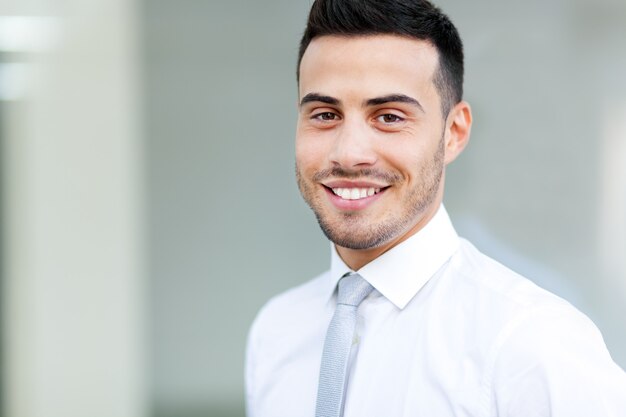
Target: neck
{"type": "Point", "coordinates": [357, 258]}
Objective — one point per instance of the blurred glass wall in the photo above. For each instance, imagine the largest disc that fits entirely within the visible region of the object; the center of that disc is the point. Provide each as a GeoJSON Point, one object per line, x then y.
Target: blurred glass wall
{"type": "Point", "coordinates": [150, 207]}
{"type": "Point", "coordinates": [73, 289]}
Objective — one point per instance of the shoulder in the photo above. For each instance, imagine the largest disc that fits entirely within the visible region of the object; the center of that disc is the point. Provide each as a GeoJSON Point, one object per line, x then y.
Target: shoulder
{"type": "Point", "coordinates": [290, 307]}
{"type": "Point", "coordinates": [497, 285]}
{"type": "Point", "coordinates": [296, 298]}
{"type": "Point", "coordinates": [542, 354]}
{"type": "Point", "coordinates": [513, 305]}
{"type": "Point", "coordinates": [280, 326]}
{"type": "Point", "coordinates": [554, 359]}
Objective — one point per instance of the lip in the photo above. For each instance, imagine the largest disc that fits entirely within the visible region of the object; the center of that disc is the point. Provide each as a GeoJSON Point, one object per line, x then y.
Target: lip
{"type": "Point", "coordinates": [352, 184]}
{"type": "Point", "coordinates": [352, 205]}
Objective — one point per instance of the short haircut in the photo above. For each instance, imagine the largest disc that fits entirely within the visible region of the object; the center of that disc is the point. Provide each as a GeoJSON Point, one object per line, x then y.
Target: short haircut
{"type": "Point", "coordinates": [417, 19]}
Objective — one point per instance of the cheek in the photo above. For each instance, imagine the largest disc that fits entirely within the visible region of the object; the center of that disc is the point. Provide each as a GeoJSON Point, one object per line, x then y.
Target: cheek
{"type": "Point", "coordinates": [409, 167]}
{"type": "Point", "coordinates": [404, 155]}
{"type": "Point", "coordinates": [409, 159]}
{"type": "Point", "coordinates": [310, 154]}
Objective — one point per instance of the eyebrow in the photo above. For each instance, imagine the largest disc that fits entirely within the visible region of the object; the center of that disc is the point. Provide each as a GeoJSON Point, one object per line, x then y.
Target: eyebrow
{"type": "Point", "coordinates": [318, 97]}
{"type": "Point", "coordinates": [377, 101]}
{"type": "Point", "coordinates": [394, 98]}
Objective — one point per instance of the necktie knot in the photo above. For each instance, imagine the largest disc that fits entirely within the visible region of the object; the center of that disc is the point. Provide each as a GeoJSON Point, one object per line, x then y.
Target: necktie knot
{"type": "Point", "coordinates": [352, 290]}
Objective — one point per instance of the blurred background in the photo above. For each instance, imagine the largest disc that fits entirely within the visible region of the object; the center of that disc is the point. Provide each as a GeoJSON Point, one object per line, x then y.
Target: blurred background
{"type": "Point", "coordinates": [148, 207]}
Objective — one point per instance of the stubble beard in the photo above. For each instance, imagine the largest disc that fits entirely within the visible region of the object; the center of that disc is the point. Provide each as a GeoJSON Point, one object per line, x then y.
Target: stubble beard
{"type": "Point", "coordinates": [353, 230]}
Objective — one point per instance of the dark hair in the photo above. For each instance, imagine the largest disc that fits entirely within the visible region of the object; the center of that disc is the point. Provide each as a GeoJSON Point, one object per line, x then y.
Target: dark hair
{"type": "Point", "coordinates": [417, 19]}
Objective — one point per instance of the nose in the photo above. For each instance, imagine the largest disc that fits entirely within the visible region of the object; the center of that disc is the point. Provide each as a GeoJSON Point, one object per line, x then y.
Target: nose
{"type": "Point", "coordinates": [353, 146]}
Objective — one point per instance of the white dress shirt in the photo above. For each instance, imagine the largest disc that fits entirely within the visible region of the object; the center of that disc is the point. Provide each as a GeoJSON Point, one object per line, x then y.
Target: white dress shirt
{"type": "Point", "coordinates": [446, 332]}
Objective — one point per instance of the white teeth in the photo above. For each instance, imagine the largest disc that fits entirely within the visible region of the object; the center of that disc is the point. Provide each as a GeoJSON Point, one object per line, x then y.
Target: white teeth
{"type": "Point", "coordinates": [355, 193]}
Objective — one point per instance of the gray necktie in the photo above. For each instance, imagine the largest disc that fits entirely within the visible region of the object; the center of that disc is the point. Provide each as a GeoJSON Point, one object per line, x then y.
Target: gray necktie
{"type": "Point", "coordinates": [334, 368]}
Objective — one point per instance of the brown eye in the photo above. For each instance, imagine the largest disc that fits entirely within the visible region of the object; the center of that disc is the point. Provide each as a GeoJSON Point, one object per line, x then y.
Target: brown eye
{"type": "Point", "coordinates": [326, 116]}
{"type": "Point", "coordinates": [389, 118]}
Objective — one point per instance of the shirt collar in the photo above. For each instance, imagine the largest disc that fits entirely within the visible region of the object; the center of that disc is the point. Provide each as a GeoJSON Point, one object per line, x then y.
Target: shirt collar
{"type": "Point", "coordinates": [401, 272]}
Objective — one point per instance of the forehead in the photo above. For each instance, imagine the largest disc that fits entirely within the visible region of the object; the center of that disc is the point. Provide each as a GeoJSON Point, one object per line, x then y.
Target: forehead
{"type": "Point", "coordinates": [373, 63]}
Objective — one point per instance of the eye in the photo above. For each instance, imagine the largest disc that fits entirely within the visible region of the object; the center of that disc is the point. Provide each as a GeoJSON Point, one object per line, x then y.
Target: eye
{"type": "Point", "coordinates": [326, 116]}
{"type": "Point", "coordinates": [389, 118]}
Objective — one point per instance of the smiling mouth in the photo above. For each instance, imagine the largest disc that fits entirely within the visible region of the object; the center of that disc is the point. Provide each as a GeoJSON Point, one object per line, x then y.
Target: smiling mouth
{"type": "Point", "coordinates": [356, 193]}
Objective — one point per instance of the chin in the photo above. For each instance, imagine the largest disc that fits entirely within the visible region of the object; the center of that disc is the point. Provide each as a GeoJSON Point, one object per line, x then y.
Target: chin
{"type": "Point", "coordinates": [358, 236]}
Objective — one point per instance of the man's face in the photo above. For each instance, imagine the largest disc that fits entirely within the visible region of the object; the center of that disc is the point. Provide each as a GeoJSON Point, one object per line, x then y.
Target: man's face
{"type": "Point", "coordinates": [370, 137]}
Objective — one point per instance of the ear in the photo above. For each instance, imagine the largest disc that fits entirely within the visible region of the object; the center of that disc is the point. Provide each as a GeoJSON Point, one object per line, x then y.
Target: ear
{"type": "Point", "coordinates": [458, 126]}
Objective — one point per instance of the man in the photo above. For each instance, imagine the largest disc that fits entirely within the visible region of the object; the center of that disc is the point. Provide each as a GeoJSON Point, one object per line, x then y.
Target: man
{"type": "Point", "coordinates": [410, 320]}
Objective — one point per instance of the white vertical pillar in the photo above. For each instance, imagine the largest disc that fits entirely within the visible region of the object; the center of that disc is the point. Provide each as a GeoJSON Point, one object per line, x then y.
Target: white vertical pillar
{"type": "Point", "coordinates": [74, 261]}
{"type": "Point", "coordinates": [612, 218]}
